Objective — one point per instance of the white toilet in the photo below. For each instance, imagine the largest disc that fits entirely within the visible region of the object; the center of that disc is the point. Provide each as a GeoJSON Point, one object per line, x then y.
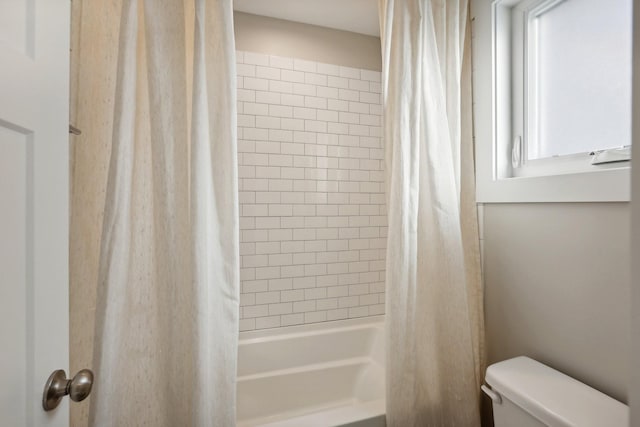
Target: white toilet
{"type": "Point", "coordinates": [526, 393]}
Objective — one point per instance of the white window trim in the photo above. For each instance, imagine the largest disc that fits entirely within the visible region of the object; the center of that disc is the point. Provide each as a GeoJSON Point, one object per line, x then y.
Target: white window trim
{"type": "Point", "coordinates": [494, 183]}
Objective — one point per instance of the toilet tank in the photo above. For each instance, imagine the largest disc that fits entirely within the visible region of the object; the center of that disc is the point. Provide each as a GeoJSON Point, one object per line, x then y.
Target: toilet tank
{"type": "Point", "coordinates": [526, 393]}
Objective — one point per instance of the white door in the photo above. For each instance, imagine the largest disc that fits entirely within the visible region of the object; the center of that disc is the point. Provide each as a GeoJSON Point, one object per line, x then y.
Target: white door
{"type": "Point", "coordinates": [34, 111]}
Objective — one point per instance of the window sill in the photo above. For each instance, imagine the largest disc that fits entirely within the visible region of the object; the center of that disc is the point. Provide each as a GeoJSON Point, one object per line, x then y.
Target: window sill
{"type": "Point", "coordinates": [608, 185]}
{"type": "Point", "coordinates": [568, 164]}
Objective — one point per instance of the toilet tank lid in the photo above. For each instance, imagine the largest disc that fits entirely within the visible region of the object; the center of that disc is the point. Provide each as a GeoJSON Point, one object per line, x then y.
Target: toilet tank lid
{"type": "Point", "coordinates": [553, 397]}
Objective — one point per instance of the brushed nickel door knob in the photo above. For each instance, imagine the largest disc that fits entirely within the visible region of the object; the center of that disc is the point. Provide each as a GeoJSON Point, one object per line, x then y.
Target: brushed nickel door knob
{"type": "Point", "coordinates": [58, 386]}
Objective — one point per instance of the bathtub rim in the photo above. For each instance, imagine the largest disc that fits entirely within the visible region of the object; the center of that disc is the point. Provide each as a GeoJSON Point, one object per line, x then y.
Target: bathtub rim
{"type": "Point", "coordinates": [310, 329]}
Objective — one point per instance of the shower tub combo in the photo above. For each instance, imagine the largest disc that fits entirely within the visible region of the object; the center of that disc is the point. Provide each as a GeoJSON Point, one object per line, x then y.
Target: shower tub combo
{"type": "Point", "coordinates": [325, 374]}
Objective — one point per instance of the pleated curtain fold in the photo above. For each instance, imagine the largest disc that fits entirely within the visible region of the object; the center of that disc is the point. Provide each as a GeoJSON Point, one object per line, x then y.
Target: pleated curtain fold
{"type": "Point", "coordinates": [434, 316]}
{"type": "Point", "coordinates": [168, 284]}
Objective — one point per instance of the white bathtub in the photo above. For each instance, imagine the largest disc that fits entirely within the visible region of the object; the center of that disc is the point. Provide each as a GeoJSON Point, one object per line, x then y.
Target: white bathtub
{"type": "Point", "coordinates": [325, 374]}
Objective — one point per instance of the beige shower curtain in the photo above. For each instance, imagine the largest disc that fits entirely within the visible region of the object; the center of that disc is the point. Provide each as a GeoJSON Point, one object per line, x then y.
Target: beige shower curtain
{"type": "Point", "coordinates": [166, 310]}
{"type": "Point", "coordinates": [434, 316]}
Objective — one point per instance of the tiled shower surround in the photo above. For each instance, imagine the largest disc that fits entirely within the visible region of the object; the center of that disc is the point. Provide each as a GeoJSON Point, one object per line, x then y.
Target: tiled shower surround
{"type": "Point", "coordinates": [313, 218]}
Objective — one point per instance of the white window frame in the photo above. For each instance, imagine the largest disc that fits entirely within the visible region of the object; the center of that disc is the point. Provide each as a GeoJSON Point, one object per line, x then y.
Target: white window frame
{"type": "Point", "coordinates": [559, 179]}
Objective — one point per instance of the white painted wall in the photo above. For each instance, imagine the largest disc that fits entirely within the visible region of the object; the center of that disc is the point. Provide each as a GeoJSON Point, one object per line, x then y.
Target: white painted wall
{"type": "Point", "coordinates": [292, 39]}
{"type": "Point", "coordinates": [557, 280]}
{"type": "Point", "coordinates": [360, 16]}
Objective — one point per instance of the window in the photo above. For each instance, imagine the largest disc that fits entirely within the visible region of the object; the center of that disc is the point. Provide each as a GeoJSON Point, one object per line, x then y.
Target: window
{"type": "Point", "coordinates": [559, 101]}
{"type": "Point", "coordinates": [571, 83]}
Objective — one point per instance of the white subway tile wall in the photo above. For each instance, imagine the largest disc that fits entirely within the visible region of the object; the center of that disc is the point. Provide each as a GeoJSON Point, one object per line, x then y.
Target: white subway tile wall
{"type": "Point", "coordinates": [313, 225]}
